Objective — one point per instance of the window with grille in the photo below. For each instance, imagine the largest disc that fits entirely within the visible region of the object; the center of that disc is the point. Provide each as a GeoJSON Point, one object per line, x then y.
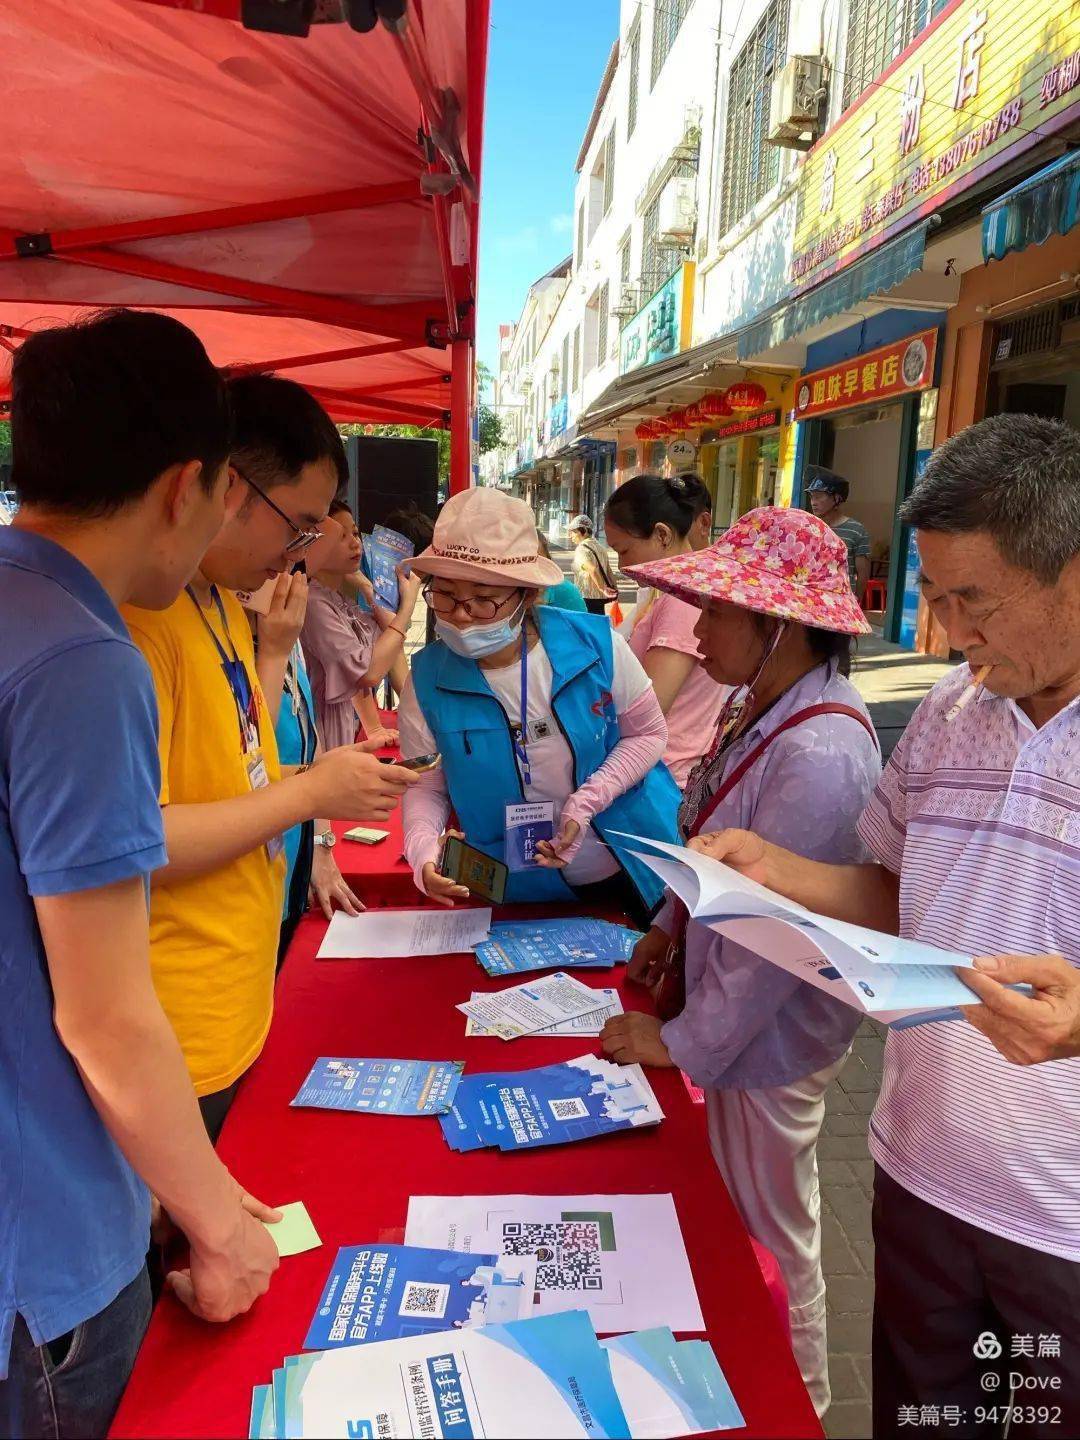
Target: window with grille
{"type": "Point", "coordinates": [752, 168]}
{"type": "Point", "coordinates": [877, 31]}
{"type": "Point", "coordinates": [601, 323]}
{"type": "Point", "coordinates": [634, 53]}
{"type": "Point", "coordinates": [580, 234]}
{"type": "Point", "coordinates": [564, 378]}
{"type": "Point", "coordinates": [609, 169]}
{"type": "Point", "coordinates": [577, 357]}
{"type": "Point", "coordinates": [668, 16]}
{"type": "Point", "coordinates": [658, 262]}
{"type": "Point", "coordinates": [624, 260]}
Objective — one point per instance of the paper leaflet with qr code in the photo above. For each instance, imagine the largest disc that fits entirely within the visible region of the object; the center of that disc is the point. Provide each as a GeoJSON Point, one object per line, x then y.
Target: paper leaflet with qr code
{"type": "Point", "coordinates": [621, 1257]}
{"type": "Point", "coordinates": [378, 1292]}
{"type": "Point", "coordinates": [553, 1105]}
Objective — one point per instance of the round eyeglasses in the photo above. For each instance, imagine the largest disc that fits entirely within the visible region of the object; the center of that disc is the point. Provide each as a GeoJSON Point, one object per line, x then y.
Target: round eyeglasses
{"type": "Point", "coordinates": [481, 607]}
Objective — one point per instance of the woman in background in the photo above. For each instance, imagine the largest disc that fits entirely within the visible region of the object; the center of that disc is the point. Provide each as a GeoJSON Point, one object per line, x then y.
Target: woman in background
{"type": "Point", "coordinates": [591, 567]}
{"type": "Point", "coordinates": [346, 653]}
{"type": "Point", "coordinates": [649, 518]}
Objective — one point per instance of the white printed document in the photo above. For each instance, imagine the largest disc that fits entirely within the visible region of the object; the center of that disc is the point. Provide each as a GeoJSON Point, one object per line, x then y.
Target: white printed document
{"type": "Point", "coordinates": [621, 1257]}
{"type": "Point", "coordinates": [537, 1005]}
{"type": "Point", "coordinates": [379, 934]}
{"type": "Point", "coordinates": [895, 980]}
{"type": "Point", "coordinates": [589, 1025]}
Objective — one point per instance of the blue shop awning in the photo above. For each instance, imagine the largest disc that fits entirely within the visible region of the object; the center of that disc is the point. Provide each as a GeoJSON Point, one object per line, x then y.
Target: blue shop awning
{"type": "Point", "coordinates": [877, 273]}
{"type": "Point", "coordinates": [1046, 203]}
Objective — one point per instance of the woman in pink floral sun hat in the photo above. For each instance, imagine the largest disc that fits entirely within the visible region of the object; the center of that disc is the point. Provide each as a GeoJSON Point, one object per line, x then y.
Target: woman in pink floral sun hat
{"type": "Point", "coordinates": [795, 759]}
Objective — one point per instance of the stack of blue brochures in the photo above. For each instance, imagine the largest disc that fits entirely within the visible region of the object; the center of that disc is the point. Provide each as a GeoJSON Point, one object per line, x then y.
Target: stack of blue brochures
{"type": "Point", "coordinates": [548, 1375]}
{"type": "Point", "coordinates": [519, 945]}
{"type": "Point", "coordinates": [554, 1105]}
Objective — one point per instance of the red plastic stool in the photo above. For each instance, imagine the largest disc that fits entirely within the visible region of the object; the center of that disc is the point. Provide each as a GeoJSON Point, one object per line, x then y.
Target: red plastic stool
{"type": "Point", "coordinates": [877, 595]}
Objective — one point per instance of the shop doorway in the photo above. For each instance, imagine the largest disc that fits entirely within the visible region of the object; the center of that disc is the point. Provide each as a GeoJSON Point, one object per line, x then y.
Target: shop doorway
{"type": "Point", "coordinates": [1035, 366]}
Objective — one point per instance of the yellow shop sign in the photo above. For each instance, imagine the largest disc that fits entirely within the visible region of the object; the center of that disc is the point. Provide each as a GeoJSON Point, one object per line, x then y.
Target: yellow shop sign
{"type": "Point", "coordinates": [984, 82]}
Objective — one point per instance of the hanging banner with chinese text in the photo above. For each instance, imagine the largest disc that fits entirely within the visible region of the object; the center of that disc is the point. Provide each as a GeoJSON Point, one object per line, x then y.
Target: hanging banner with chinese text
{"type": "Point", "coordinates": [883, 374]}
{"type": "Point", "coordinates": [985, 81]}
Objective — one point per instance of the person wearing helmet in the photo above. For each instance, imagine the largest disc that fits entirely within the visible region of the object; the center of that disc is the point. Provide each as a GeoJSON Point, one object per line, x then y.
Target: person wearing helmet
{"type": "Point", "coordinates": [591, 567]}
{"type": "Point", "coordinates": [828, 493]}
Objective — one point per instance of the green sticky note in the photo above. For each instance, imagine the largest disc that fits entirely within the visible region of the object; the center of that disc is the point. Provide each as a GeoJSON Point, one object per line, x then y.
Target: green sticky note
{"type": "Point", "coordinates": [294, 1233]}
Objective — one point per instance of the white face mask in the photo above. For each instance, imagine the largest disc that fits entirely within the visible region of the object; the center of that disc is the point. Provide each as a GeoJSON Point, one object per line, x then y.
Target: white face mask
{"type": "Point", "coordinates": [476, 642]}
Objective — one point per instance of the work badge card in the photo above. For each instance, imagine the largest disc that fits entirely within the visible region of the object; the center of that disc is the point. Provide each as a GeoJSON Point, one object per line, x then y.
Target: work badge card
{"type": "Point", "coordinates": [526, 825]}
{"type": "Point", "coordinates": [383, 1087]}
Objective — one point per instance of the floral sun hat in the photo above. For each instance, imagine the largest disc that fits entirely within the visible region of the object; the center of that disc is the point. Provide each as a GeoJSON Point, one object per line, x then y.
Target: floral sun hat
{"type": "Point", "coordinates": [779, 562]}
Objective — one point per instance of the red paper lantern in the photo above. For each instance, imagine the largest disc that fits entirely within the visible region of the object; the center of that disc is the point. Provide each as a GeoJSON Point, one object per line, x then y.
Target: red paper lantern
{"type": "Point", "coordinates": [644, 431]}
{"type": "Point", "coordinates": [746, 395]}
{"type": "Point", "coordinates": [694, 414]}
{"type": "Point", "coordinates": [714, 405]}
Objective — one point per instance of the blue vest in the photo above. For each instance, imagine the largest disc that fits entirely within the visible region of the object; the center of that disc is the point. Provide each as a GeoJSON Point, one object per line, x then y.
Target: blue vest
{"type": "Point", "coordinates": [473, 735]}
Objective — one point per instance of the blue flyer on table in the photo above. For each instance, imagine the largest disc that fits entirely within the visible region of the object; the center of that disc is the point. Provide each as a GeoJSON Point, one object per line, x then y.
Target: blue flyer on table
{"type": "Point", "coordinates": [381, 1292]}
{"type": "Point", "coordinates": [516, 946]}
{"type": "Point", "coordinates": [384, 551]}
{"type": "Point", "coordinates": [381, 1087]}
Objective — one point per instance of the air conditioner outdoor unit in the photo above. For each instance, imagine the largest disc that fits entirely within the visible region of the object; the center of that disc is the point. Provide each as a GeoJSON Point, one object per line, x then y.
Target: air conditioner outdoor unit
{"type": "Point", "coordinates": [798, 102]}
{"type": "Point", "coordinates": [627, 303]}
{"type": "Point", "coordinates": [676, 217]}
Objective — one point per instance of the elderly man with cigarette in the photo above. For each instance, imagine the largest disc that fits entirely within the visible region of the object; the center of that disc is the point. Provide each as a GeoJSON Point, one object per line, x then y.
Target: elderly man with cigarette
{"type": "Point", "coordinates": [975, 828]}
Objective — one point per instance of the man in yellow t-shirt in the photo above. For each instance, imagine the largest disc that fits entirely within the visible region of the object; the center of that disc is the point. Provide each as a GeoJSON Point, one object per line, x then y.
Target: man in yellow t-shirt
{"type": "Point", "coordinates": [215, 909]}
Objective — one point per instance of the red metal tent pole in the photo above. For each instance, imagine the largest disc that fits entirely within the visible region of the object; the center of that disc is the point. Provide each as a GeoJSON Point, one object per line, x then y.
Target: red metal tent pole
{"type": "Point", "coordinates": [461, 388]}
{"type": "Point", "coordinates": [230, 217]}
{"type": "Point", "coordinates": [401, 322]}
{"type": "Point", "coordinates": [319, 357]}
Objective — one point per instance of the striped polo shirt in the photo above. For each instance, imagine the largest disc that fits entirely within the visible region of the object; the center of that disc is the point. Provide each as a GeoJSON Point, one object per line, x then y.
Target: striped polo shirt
{"type": "Point", "coordinates": [980, 818]}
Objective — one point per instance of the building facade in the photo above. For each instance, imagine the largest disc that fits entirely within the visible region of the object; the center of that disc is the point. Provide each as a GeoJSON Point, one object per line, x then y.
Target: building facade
{"type": "Point", "coordinates": [813, 233]}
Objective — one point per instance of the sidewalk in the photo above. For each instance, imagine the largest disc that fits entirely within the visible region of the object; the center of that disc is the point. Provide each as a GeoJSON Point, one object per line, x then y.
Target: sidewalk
{"type": "Point", "coordinates": [893, 681]}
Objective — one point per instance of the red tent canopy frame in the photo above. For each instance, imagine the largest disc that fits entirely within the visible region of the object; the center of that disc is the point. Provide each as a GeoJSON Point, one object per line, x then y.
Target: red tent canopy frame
{"type": "Point", "coordinates": [308, 206]}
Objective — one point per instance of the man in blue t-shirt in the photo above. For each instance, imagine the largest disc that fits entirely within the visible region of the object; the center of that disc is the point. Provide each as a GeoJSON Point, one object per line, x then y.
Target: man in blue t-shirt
{"type": "Point", "coordinates": [120, 432]}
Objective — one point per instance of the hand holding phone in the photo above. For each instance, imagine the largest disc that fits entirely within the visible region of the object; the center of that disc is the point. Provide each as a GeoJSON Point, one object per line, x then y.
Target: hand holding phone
{"type": "Point", "coordinates": [419, 766]}
{"type": "Point", "coordinates": [481, 874]}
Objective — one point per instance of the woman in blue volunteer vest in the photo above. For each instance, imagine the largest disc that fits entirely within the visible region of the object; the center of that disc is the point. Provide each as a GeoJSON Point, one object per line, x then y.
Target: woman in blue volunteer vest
{"type": "Point", "coordinates": [587, 759]}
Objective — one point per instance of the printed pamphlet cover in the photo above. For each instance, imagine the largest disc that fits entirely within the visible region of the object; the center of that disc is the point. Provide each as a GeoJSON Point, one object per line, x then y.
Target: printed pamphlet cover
{"type": "Point", "coordinates": [381, 1087]}
{"type": "Point", "coordinates": [380, 1292]}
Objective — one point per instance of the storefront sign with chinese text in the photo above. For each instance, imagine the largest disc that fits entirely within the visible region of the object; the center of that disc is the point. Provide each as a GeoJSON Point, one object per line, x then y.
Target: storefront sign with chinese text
{"type": "Point", "coordinates": [662, 327]}
{"type": "Point", "coordinates": [882, 374]}
{"type": "Point", "coordinates": [749, 426]}
{"type": "Point", "coordinates": [981, 81]}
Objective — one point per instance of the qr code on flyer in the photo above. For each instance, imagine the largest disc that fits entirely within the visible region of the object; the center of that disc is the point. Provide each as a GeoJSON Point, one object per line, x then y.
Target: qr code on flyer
{"type": "Point", "coordinates": [427, 1302]}
{"type": "Point", "coordinates": [567, 1252]}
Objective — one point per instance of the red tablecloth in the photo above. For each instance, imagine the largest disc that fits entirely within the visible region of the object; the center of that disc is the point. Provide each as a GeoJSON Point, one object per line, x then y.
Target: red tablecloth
{"type": "Point", "coordinates": [356, 1173]}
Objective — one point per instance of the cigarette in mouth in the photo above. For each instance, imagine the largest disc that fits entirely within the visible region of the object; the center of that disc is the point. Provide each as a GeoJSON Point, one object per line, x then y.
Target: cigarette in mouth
{"type": "Point", "coordinates": [969, 692]}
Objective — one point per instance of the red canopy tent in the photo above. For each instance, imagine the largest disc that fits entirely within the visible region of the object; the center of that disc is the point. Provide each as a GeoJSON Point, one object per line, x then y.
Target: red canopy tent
{"type": "Point", "coordinates": [308, 203]}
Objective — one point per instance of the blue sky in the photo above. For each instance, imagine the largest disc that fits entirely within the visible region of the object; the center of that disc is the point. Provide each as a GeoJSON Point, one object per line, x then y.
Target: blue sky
{"type": "Point", "coordinates": [545, 62]}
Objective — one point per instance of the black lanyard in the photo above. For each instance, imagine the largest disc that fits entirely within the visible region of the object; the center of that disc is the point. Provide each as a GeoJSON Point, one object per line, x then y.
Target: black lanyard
{"type": "Point", "coordinates": [235, 671]}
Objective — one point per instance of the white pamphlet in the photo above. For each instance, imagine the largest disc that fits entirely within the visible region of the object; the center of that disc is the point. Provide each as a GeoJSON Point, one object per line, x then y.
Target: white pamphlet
{"type": "Point", "coordinates": [895, 980]}
{"type": "Point", "coordinates": [621, 1257]}
{"type": "Point", "coordinates": [536, 1005]}
{"type": "Point", "coordinates": [590, 1024]}
{"type": "Point", "coordinates": [378, 934]}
